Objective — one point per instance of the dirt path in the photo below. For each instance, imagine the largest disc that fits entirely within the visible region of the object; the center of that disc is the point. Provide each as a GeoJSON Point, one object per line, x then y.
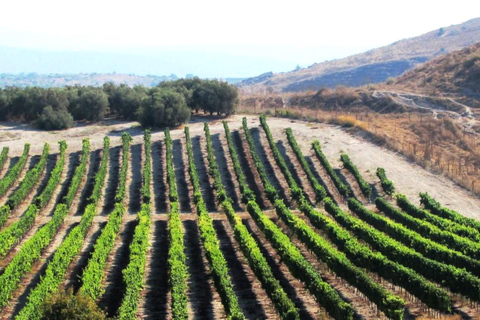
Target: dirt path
{"type": "Point", "coordinates": [159, 177]}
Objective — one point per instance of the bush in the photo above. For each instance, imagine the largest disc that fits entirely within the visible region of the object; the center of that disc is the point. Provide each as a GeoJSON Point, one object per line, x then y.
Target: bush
{"type": "Point", "coordinates": [67, 306]}
{"type": "Point", "coordinates": [54, 119]}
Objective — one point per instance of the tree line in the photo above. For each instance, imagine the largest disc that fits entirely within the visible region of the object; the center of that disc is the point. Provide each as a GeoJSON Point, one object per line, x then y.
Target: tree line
{"type": "Point", "coordinates": [168, 104]}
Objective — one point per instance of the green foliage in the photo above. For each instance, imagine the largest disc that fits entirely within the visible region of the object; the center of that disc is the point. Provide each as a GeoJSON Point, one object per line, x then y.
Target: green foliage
{"type": "Point", "coordinates": [29, 181]}
{"type": "Point", "coordinates": [67, 306]}
{"type": "Point", "coordinates": [170, 102]}
{"type": "Point", "coordinates": [364, 186]}
{"type": "Point", "coordinates": [211, 96]}
{"type": "Point", "coordinates": [299, 266]}
{"type": "Point", "coordinates": [436, 208]}
{"type": "Point", "coordinates": [320, 191]}
{"type": "Point", "coordinates": [31, 251]}
{"type": "Point", "coordinates": [270, 191]}
{"type": "Point", "coordinates": [450, 240]}
{"type": "Point", "coordinates": [456, 279]}
{"type": "Point", "coordinates": [213, 168]}
{"type": "Point", "coordinates": [12, 175]}
{"type": "Point", "coordinates": [172, 184]}
{"type": "Point", "coordinates": [134, 273]}
{"type": "Point", "coordinates": [101, 173]}
{"type": "Point", "coordinates": [124, 100]}
{"type": "Point", "coordinates": [412, 239]}
{"type": "Point", "coordinates": [163, 108]}
{"type": "Point", "coordinates": [208, 236]}
{"type": "Point", "coordinates": [248, 245]}
{"type": "Point", "coordinates": [88, 103]}
{"type": "Point", "coordinates": [3, 157]}
{"type": "Point", "coordinates": [147, 169]}
{"type": "Point", "coordinates": [54, 179]}
{"type": "Point", "coordinates": [342, 188]}
{"type": "Point", "coordinates": [364, 257]}
{"type": "Point", "coordinates": [93, 274]}
{"type": "Point", "coordinates": [258, 263]}
{"type": "Point", "coordinates": [294, 188]}
{"type": "Point", "coordinates": [392, 305]}
{"type": "Point", "coordinates": [387, 185]}
{"type": "Point", "coordinates": [247, 193]}
{"type": "Point", "coordinates": [444, 224]}
{"type": "Point", "coordinates": [78, 175]}
{"type": "Point", "coordinates": [290, 254]}
{"type": "Point", "coordinates": [14, 232]}
{"type": "Point", "coordinates": [122, 184]}
{"type": "Point", "coordinates": [176, 252]}
{"type": "Point", "coordinates": [64, 255]}
{"type": "Point", "coordinates": [54, 119]}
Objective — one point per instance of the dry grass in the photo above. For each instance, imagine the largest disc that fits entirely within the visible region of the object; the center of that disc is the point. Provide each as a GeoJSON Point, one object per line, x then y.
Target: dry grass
{"type": "Point", "coordinates": [349, 121]}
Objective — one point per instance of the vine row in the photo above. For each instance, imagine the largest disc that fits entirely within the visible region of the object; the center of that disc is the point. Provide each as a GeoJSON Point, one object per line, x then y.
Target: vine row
{"type": "Point", "coordinates": [12, 175]}
{"type": "Point", "coordinates": [350, 166]}
{"type": "Point", "coordinates": [176, 253]}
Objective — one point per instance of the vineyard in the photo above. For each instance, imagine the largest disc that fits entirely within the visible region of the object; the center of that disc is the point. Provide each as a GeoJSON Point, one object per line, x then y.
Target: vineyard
{"type": "Point", "coordinates": [239, 219]}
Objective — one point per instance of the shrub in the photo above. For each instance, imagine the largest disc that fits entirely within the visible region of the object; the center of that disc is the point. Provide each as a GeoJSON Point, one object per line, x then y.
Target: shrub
{"type": "Point", "coordinates": [67, 306]}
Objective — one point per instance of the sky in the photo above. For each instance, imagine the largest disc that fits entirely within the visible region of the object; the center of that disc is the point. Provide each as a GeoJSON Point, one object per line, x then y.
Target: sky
{"type": "Point", "coordinates": [300, 32]}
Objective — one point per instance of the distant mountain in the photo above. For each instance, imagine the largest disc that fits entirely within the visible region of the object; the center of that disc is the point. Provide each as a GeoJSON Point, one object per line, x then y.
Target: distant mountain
{"type": "Point", "coordinates": [373, 66]}
{"type": "Point", "coordinates": [86, 79]}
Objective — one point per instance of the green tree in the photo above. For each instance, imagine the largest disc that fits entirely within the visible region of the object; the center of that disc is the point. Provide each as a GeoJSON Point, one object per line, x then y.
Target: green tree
{"type": "Point", "coordinates": [164, 107]}
{"type": "Point", "coordinates": [54, 119]}
{"type": "Point", "coordinates": [91, 104]}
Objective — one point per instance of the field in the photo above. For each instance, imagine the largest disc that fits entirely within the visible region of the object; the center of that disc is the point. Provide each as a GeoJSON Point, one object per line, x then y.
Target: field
{"type": "Point", "coordinates": [237, 220]}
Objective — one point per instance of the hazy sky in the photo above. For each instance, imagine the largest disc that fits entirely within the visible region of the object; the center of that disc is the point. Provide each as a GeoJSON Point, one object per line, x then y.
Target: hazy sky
{"type": "Point", "coordinates": [304, 31]}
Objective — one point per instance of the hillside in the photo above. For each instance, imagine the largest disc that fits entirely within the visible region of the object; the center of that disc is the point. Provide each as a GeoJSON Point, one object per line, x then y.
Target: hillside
{"type": "Point", "coordinates": [373, 66]}
{"type": "Point", "coordinates": [457, 73]}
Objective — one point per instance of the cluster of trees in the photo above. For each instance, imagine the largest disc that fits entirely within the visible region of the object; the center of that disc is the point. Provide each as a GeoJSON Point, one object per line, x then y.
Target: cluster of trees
{"type": "Point", "coordinates": [168, 104]}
